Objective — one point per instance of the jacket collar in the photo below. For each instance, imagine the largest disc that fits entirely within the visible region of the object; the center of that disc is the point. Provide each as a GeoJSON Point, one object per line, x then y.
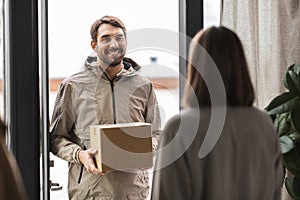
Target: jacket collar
{"type": "Point", "coordinates": [130, 67]}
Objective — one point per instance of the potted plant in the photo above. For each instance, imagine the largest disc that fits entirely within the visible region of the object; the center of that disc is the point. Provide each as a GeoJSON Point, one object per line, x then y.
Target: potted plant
{"type": "Point", "coordinates": [285, 111]}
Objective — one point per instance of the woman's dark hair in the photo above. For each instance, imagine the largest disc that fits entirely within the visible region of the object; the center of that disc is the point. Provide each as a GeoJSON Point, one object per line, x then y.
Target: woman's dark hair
{"type": "Point", "coordinates": [225, 49]}
{"type": "Point", "coordinates": [114, 21]}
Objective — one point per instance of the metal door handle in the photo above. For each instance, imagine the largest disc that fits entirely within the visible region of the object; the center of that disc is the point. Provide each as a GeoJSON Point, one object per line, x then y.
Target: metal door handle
{"type": "Point", "coordinates": [55, 186]}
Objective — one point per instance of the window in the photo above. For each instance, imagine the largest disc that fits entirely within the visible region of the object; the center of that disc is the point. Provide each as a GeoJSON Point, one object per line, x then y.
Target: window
{"type": "Point", "coordinates": [211, 12]}
{"type": "Point", "coordinates": [1, 59]}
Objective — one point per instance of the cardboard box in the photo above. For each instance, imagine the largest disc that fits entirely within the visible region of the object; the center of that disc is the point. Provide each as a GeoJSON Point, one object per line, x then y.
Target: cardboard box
{"type": "Point", "coordinates": [122, 146]}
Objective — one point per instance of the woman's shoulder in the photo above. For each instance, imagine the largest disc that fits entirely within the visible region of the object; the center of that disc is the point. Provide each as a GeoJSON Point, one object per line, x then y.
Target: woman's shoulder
{"type": "Point", "coordinates": [252, 113]}
{"type": "Point", "coordinates": [187, 118]}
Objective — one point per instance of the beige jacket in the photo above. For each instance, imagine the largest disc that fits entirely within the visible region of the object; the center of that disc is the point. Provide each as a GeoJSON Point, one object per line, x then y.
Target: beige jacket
{"type": "Point", "coordinates": [89, 98]}
{"type": "Point", "coordinates": [244, 164]}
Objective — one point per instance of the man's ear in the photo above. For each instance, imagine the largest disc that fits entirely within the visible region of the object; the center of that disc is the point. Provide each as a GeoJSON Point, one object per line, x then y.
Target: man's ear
{"type": "Point", "coordinates": [93, 44]}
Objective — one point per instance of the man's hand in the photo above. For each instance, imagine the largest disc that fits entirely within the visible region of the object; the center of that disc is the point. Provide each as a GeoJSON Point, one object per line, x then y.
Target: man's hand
{"type": "Point", "coordinates": [86, 158]}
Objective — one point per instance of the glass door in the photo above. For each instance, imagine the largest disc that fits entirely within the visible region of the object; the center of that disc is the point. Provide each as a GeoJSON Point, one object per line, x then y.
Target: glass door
{"type": "Point", "coordinates": [152, 43]}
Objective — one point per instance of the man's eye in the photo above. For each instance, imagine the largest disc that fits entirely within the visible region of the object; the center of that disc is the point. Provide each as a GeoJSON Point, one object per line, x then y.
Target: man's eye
{"type": "Point", "coordinates": [120, 39]}
{"type": "Point", "coordinates": [105, 40]}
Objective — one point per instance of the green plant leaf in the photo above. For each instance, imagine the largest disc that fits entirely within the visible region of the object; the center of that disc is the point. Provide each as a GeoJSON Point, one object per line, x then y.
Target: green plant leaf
{"type": "Point", "coordinates": [295, 136]}
{"type": "Point", "coordinates": [292, 81]}
{"type": "Point", "coordinates": [286, 144]}
{"type": "Point", "coordinates": [295, 116]}
{"type": "Point", "coordinates": [282, 124]}
{"type": "Point", "coordinates": [289, 118]}
{"type": "Point", "coordinates": [283, 103]}
{"type": "Point", "coordinates": [292, 187]}
{"type": "Point", "coordinates": [295, 68]}
{"type": "Point", "coordinates": [291, 161]}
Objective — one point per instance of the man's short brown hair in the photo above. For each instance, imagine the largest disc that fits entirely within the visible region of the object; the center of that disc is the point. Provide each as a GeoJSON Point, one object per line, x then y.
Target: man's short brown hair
{"type": "Point", "coordinates": [114, 21]}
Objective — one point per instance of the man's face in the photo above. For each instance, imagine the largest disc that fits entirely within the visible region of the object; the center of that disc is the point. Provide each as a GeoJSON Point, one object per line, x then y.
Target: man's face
{"type": "Point", "coordinates": [111, 44]}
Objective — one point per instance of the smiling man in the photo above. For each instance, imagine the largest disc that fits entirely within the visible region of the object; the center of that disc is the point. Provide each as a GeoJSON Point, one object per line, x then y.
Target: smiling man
{"type": "Point", "coordinates": [108, 90]}
{"type": "Point", "coordinates": [109, 42]}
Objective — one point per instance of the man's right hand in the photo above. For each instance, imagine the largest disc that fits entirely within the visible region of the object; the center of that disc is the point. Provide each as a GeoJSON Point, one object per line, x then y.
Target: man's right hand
{"type": "Point", "coordinates": [86, 157]}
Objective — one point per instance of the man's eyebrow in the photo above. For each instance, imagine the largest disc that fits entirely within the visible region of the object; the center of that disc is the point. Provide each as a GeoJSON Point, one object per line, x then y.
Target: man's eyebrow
{"type": "Point", "coordinates": [116, 35]}
{"type": "Point", "coordinates": [120, 35]}
{"type": "Point", "coordinates": [105, 36]}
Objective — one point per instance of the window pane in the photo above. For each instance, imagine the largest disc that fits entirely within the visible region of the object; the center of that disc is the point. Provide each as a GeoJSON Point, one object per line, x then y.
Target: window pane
{"type": "Point", "coordinates": [211, 13]}
{"type": "Point", "coordinates": [1, 59]}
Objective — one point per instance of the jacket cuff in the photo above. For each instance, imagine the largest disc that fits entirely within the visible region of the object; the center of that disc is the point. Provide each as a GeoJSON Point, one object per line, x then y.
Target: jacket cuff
{"type": "Point", "coordinates": [75, 155]}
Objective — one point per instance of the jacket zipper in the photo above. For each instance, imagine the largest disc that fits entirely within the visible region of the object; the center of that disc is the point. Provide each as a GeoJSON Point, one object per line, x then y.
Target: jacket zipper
{"type": "Point", "coordinates": [113, 97]}
{"type": "Point", "coordinates": [113, 100]}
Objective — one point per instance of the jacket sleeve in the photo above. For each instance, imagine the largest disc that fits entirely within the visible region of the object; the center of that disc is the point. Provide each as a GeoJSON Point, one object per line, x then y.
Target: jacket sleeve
{"type": "Point", "coordinates": [63, 141]}
{"type": "Point", "coordinates": [153, 117]}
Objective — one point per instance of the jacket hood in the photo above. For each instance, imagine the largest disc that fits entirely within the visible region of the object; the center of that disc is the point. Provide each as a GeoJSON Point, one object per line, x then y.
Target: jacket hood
{"type": "Point", "coordinates": [130, 65]}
